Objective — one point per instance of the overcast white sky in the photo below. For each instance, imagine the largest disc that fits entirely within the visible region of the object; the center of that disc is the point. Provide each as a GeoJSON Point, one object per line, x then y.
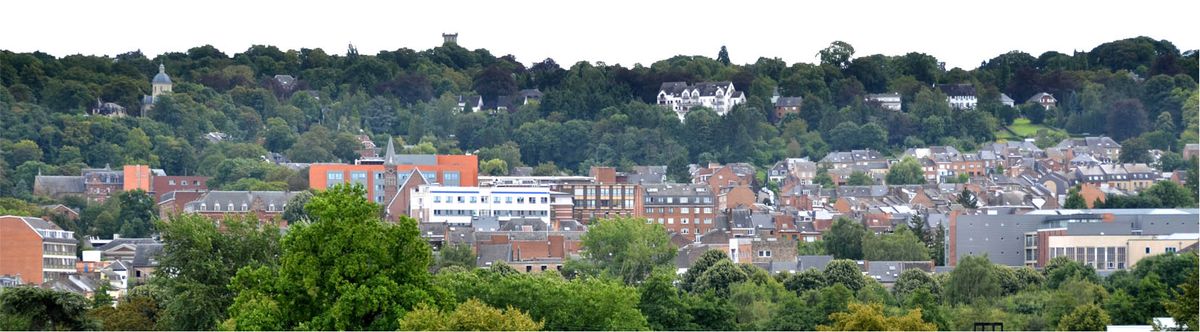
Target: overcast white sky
{"type": "Point", "coordinates": [961, 33]}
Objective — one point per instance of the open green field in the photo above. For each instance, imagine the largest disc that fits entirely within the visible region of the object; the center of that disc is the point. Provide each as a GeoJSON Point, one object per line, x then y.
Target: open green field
{"type": "Point", "coordinates": [1023, 128]}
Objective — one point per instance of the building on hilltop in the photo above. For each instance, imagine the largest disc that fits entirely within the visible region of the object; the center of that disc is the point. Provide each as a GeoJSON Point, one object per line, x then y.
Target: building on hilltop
{"type": "Point", "coordinates": [159, 85]}
{"type": "Point", "coordinates": [680, 97]}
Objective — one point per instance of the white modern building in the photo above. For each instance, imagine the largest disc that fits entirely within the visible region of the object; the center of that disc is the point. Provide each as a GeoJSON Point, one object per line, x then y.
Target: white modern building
{"type": "Point", "coordinates": [681, 97]}
{"type": "Point", "coordinates": [437, 204]}
{"type": "Point", "coordinates": [889, 101]}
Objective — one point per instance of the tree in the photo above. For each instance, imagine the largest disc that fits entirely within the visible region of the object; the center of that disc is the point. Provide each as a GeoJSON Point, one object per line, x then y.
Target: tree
{"type": "Point", "coordinates": [720, 277]}
{"type": "Point", "coordinates": [907, 171]}
{"type": "Point", "coordinates": [706, 261]}
{"type": "Point", "coordinates": [1135, 150]}
{"type": "Point", "coordinates": [967, 199]}
{"type": "Point", "coordinates": [844, 272]}
{"type": "Point", "coordinates": [197, 262]}
{"type": "Point", "coordinates": [911, 280]}
{"type": "Point", "coordinates": [577, 304]}
{"type": "Point", "coordinates": [844, 239]}
{"type": "Point", "coordinates": [1184, 304]}
{"type": "Point", "coordinates": [858, 178]}
{"type": "Point", "coordinates": [870, 317]}
{"type": "Point", "coordinates": [1126, 119]}
{"type": "Point", "coordinates": [280, 136]}
{"type": "Point", "coordinates": [1074, 199]}
{"type": "Point", "coordinates": [494, 167]}
{"type": "Point", "coordinates": [838, 54]}
{"type": "Point", "coordinates": [472, 315]}
{"type": "Point", "coordinates": [901, 245]}
{"type": "Point", "coordinates": [973, 279]}
{"type": "Point", "coordinates": [1089, 317]}
{"type": "Point", "coordinates": [804, 281]}
{"type": "Point", "coordinates": [338, 291]}
{"type": "Point", "coordinates": [662, 304]}
{"type": "Point", "coordinates": [24, 151]}
{"type": "Point", "coordinates": [1171, 194]}
{"type": "Point", "coordinates": [627, 248]}
{"type": "Point", "coordinates": [456, 255]}
{"type": "Point", "coordinates": [723, 56]}
{"type": "Point", "coordinates": [135, 312]}
{"type": "Point", "coordinates": [31, 308]}
{"type": "Point", "coordinates": [1061, 269]}
{"type": "Point", "coordinates": [138, 149]}
{"type": "Point", "coordinates": [295, 210]}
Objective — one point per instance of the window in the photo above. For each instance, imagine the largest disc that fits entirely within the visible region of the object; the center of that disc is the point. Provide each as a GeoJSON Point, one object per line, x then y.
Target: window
{"type": "Point", "coordinates": [684, 210]}
{"type": "Point", "coordinates": [683, 221]}
{"type": "Point", "coordinates": [333, 178]}
{"type": "Point", "coordinates": [764, 253]}
{"type": "Point", "coordinates": [171, 182]}
{"type": "Point", "coordinates": [1147, 250]}
{"type": "Point", "coordinates": [451, 178]}
{"type": "Point", "coordinates": [683, 200]}
{"type": "Point", "coordinates": [578, 191]}
{"type": "Point", "coordinates": [1170, 249]}
{"type": "Point", "coordinates": [670, 221]}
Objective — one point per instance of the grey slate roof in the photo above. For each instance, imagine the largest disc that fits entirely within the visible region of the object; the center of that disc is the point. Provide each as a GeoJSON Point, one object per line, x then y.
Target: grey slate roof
{"type": "Point", "coordinates": [123, 241]}
{"type": "Point", "coordinates": [789, 101]}
{"type": "Point", "coordinates": [238, 198]}
{"type": "Point", "coordinates": [960, 90]}
{"type": "Point", "coordinates": [58, 184]}
{"type": "Point", "coordinates": [161, 77]}
{"type": "Point", "coordinates": [146, 255]}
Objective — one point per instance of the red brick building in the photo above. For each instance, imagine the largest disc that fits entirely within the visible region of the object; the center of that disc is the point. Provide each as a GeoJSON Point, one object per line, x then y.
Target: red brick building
{"type": "Point", "coordinates": [266, 206]}
{"type": "Point", "coordinates": [35, 249]}
{"type": "Point", "coordinates": [687, 209]}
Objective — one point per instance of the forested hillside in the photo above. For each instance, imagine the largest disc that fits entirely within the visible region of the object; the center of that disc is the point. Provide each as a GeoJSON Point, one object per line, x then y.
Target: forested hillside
{"type": "Point", "coordinates": [1137, 89]}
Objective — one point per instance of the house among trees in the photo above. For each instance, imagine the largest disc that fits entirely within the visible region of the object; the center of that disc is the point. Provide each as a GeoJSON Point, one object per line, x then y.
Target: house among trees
{"type": "Point", "coordinates": [1007, 101]}
{"type": "Point", "coordinates": [107, 109]}
{"type": "Point", "coordinates": [889, 101]}
{"type": "Point", "coordinates": [1045, 99]}
{"type": "Point", "coordinates": [721, 97]}
{"type": "Point", "coordinates": [960, 96]}
{"type": "Point", "coordinates": [787, 105]}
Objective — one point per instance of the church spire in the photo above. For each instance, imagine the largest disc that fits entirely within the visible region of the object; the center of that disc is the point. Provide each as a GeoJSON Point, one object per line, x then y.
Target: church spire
{"type": "Point", "coordinates": [389, 158]}
{"type": "Point", "coordinates": [162, 69]}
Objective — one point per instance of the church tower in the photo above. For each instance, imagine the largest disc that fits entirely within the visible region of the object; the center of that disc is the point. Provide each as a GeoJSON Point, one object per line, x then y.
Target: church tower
{"type": "Point", "coordinates": [450, 38]}
{"type": "Point", "coordinates": [161, 82]}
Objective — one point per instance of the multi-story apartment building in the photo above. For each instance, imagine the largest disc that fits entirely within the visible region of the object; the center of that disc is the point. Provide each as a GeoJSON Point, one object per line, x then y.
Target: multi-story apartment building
{"type": "Point", "coordinates": [842, 159]}
{"type": "Point", "coordinates": [1127, 177]}
{"type": "Point", "coordinates": [603, 200]}
{"type": "Point", "coordinates": [35, 250]}
{"type": "Point", "coordinates": [384, 179]}
{"type": "Point", "coordinates": [447, 204]}
{"type": "Point", "coordinates": [687, 209]}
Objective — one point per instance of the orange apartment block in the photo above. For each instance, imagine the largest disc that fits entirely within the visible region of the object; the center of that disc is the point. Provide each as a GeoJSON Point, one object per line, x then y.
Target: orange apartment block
{"type": "Point", "coordinates": [382, 181]}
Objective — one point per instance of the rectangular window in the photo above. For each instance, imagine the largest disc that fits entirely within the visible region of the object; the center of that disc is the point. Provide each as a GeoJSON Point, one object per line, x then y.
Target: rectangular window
{"type": "Point", "coordinates": [333, 178]}
{"type": "Point", "coordinates": [683, 200]}
{"type": "Point", "coordinates": [451, 178]}
{"type": "Point", "coordinates": [684, 210]}
{"type": "Point", "coordinates": [578, 191]}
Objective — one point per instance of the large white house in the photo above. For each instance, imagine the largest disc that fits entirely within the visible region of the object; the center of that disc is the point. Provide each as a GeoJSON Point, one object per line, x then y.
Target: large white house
{"type": "Point", "coordinates": [889, 101]}
{"type": "Point", "coordinates": [960, 96]}
{"type": "Point", "coordinates": [681, 97]}
{"type": "Point", "coordinates": [437, 204]}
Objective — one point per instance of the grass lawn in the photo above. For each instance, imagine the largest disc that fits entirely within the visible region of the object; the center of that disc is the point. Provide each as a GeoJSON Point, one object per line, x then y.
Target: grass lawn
{"type": "Point", "coordinates": [1023, 128]}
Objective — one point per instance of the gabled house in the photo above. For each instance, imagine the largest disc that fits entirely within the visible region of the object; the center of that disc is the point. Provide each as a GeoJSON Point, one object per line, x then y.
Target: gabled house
{"type": "Point", "coordinates": [1045, 99]}
{"type": "Point", "coordinates": [959, 96]}
{"type": "Point", "coordinates": [680, 97]}
{"type": "Point", "coordinates": [787, 105]}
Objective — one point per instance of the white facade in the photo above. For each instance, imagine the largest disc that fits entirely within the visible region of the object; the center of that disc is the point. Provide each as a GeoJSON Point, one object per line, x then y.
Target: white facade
{"type": "Point", "coordinates": [458, 204]}
{"type": "Point", "coordinates": [962, 102]}
{"type": "Point", "coordinates": [889, 101]}
{"type": "Point", "coordinates": [721, 97]}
